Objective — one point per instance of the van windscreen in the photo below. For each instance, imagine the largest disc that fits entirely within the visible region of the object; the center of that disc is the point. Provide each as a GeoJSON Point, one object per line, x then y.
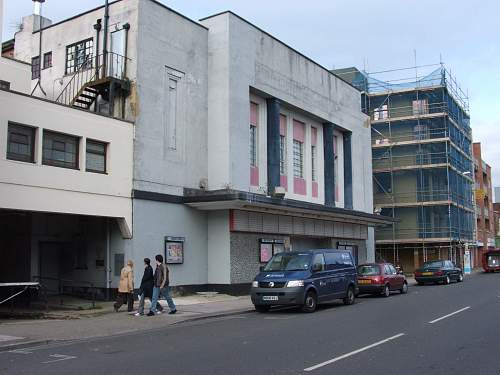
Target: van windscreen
{"type": "Point", "coordinates": [289, 262]}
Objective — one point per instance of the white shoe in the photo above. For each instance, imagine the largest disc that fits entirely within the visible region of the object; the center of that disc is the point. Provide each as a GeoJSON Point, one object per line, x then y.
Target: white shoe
{"type": "Point", "coordinates": [138, 314]}
{"type": "Point", "coordinates": [159, 312]}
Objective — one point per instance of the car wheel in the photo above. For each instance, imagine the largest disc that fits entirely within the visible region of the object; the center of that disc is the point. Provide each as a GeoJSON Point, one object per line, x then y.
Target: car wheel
{"type": "Point", "coordinates": [387, 291]}
{"type": "Point", "coordinates": [460, 278]}
{"type": "Point", "coordinates": [404, 289]}
{"type": "Point", "coordinates": [419, 283]}
{"type": "Point", "coordinates": [447, 280]}
{"type": "Point", "coordinates": [350, 296]}
{"type": "Point", "coordinates": [310, 303]}
{"type": "Point", "coordinates": [262, 308]}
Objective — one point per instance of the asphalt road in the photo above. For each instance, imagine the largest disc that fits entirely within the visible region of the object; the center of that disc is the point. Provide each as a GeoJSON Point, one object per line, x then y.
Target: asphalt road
{"type": "Point", "coordinates": [442, 329]}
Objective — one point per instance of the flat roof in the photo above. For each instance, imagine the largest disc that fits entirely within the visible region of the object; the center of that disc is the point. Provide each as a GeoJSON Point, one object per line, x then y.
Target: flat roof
{"type": "Point", "coordinates": [279, 41]}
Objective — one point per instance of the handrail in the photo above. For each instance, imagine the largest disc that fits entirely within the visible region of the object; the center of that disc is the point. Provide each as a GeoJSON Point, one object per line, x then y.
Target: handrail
{"type": "Point", "coordinates": [60, 280]}
{"type": "Point", "coordinates": [113, 68]}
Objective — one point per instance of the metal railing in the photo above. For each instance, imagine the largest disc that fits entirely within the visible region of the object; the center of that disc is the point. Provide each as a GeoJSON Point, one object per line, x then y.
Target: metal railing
{"type": "Point", "coordinates": [420, 197]}
{"type": "Point", "coordinates": [61, 283]}
{"type": "Point", "coordinates": [93, 68]}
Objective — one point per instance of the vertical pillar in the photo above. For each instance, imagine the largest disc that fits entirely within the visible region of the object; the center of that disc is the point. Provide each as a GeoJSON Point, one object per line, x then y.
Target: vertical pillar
{"type": "Point", "coordinates": [347, 171]}
{"type": "Point", "coordinates": [329, 157]}
{"type": "Point", "coordinates": [273, 144]}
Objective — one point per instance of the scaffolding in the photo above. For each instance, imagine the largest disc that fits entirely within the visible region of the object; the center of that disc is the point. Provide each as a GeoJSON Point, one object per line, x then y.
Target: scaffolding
{"type": "Point", "coordinates": [422, 162]}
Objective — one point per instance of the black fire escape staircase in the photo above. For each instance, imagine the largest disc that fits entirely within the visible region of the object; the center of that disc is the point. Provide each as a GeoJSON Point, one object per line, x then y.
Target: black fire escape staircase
{"type": "Point", "coordinates": [97, 78]}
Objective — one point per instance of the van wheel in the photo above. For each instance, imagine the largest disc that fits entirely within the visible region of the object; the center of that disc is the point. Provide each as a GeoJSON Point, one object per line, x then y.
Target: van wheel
{"type": "Point", "coordinates": [404, 289]}
{"type": "Point", "coordinates": [350, 296]}
{"type": "Point", "coordinates": [310, 303]}
{"type": "Point", "coordinates": [387, 291]}
{"type": "Point", "coordinates": [262, 308]}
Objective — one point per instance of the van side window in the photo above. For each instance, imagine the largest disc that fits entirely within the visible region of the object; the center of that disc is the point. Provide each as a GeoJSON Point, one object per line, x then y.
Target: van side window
{"type": "Point", "coordinates": [346, 259]}
{"type": "Point", "coordinates": [319, 260]}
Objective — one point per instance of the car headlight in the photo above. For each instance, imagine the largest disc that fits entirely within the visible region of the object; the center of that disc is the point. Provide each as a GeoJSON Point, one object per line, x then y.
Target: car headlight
{"type": "Point", "coordinates": [255, 284]}
{"type": "Point", "coordinates": [294, 283]}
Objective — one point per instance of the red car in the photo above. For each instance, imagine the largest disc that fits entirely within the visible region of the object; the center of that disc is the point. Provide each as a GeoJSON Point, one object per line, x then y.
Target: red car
{"type": "Point", "coordinates": [381, 278]}
{"type": "Point", "coordinates": [491, 260]}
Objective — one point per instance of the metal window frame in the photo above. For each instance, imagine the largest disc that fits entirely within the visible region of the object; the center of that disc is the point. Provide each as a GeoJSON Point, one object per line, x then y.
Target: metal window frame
{"type": "Point", "coordinates": [75, 65]}
{"type": "Point", "coordinates": [283, 158]}
{"type": "Point", "coordinates": [22, 127]}
{"type": "Point", "coordinates": [104, 153]}
{"type": "Point", "coordinates": [253, 145]}
{"type": "Point", "coordinates": [56, 163]}
{"type": "Point", "coordinates": [45, 56]}
{"type": "Point", "coordinates": [298, 159]}
{"type": "Point", "coordinates": [35, 73]}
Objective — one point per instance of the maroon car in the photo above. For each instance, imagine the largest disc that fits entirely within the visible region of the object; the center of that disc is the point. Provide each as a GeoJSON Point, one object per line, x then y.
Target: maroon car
{"type": "Point", "coordinates": [380, 278]}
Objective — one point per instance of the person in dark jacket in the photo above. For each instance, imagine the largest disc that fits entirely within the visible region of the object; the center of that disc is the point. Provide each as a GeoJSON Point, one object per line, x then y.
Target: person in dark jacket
{"type": "Point", "coordinates": [146, 288]}
{"type": "Point", "coordinates": [158, 281]}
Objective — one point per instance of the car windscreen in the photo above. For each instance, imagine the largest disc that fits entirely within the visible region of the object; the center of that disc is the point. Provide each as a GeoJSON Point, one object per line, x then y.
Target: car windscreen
{"type": "Point", "coordinates": [289, 262]}
{"type": "Point", "coordinates": [434, 264]}
{"type": "Point", "coordinates": [369, 270]}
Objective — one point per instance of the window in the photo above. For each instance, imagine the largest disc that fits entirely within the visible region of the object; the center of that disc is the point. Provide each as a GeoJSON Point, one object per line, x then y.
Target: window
{"type": "Point", "coordinates": [35, 67]}
{"type": "Point", "coordinates": [420, 107]}
{"type": "Point", "coordinates": [47, 60]}
{"type": "Point", "coordinates": [78, 55]}
{"type": "Point", "coordinates": [381, 113]}
{"type": "Point", "coordinates": [4, 85]}
{"type": "Point", "coordinates": [21, 143]}
{"type": "Point", "coordinates": [96, 156]}
{"type": "Point", "coordinates": [298, 159]}
{"type": "Point", "coordinates": [282, 154]}
{"type": "Point", "coordinates": [318, 262]}
{"type": "Point", "coordinates": [253, 145]}
{"type": "Point", "coordinates": [60, 150]}
{"type": "Point", "coordinates": [313, 163]}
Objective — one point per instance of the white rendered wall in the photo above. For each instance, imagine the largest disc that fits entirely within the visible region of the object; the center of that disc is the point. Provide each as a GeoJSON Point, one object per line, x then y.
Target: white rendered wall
{"type": "Point", "coordinates": [38, 187]}
{"type": "Point", "coordinates": [219, 245]}
{"type": "Point", "coordinates": [243, 57]}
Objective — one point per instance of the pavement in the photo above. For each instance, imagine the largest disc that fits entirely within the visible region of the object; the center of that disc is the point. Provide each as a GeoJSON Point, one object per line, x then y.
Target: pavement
{"type": "Point", "coordinates": [432, 330]}
{"type": "Point", "coordinates": [79, 324]}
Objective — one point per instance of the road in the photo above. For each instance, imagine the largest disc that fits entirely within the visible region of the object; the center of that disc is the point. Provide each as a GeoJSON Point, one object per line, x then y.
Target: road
{"type": "Point", "coordinates": [442, 329]}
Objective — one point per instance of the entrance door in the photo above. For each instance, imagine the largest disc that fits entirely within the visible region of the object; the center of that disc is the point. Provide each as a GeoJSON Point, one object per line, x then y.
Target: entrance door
{"type": "Point", "coordinates": [116, 58]}
{"type": "Point", "coordinates": [49, 265]}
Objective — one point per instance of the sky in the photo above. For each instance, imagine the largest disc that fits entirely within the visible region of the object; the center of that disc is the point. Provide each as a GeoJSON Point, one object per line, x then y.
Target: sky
{"type": "Point", "coordinates": [376, 35]}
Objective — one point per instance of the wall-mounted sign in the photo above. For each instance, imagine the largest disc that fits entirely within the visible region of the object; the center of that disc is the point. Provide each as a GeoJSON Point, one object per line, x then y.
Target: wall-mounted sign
{"type": "Point", "coordinates": [174, 250]}
{"type": "Point", "coordinates": [270, 247]}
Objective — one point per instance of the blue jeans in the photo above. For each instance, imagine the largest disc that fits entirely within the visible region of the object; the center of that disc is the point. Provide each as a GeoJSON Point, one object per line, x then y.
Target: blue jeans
{"type": "Point", "coordinates": [154, 300]}
{"type": "Point", "coordinates": [157, 293]}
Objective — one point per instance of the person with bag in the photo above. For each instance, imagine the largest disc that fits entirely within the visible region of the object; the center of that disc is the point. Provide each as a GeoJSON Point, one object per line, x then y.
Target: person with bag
{"type": "Point", "coordinates": [157, 284]}
{"type": "Point", "coordinates": [126, 288]}
{"type": "Point", "coordinates": [146, 288]}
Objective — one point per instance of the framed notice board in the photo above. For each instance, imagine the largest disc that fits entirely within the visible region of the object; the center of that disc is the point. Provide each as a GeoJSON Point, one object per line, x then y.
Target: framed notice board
{"type": "Point", "coordinates": [174, 250]}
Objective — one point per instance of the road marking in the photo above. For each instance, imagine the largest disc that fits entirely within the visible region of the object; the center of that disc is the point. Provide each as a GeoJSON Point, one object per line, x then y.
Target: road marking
{"type": "Point", "coordinates": [20, 351]}
{"type": "Point", "coordinates": [9, 338]}
{"type": "Point", "coordinates": [329, 362]}
{"type": "Point", "coordinates": [447, 316]}
{"type": "Point", "coordinates": [59, 358]}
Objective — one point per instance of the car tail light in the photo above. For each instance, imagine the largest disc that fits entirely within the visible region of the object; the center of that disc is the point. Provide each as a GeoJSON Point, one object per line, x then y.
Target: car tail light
{"type": "Point", "coordinates": [377, 279]}
{"type": "Point", "coordinates": [417, 273]}
{"type": "Point", "coordinates": [438, 273]}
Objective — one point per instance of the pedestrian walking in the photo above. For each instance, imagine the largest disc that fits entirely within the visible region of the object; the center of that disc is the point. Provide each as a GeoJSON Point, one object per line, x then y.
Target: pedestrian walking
{"type": "Point", "coordinates": [157, 282]}
{"type": "Point", "coordinates": [161, 288]}
{"type": "Point", "coordinates": [166, 292]}
{"type": "Point", "coordinates": [126, 288]}
{"type": "Point", "coordinates": [146, 288]}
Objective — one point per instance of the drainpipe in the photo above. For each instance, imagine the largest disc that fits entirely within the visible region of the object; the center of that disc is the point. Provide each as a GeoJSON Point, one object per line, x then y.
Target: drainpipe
{"type": "Point", "coordinates": [38, 12]}
{"type": "Point", "coordinates": [126, 27]}
{"type": "Point", "coordinates": [97, 28]}
{"type": "Point", "coordinates": [108, 260]}
{"type": "Point", "coordinates": [105, 37]}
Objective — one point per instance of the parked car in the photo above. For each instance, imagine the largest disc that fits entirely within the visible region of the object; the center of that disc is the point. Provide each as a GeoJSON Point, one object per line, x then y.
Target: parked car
{"type": "Point", "coordinates": [306, 279]}
{"type": "Point", "coordinates": [381, 278]}
{"type": "Point", "coordinates": [491, 260]}
{"type": "Point", "coordinates": [437, 271]}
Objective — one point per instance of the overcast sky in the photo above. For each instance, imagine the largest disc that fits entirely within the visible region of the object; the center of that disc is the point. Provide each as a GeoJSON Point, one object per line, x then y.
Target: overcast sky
{"type": "Point", "coordinates": [378, 35]}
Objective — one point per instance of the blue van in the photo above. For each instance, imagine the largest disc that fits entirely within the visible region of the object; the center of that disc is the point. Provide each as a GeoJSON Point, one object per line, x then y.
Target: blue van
{"type": "Point", "coordinates": [305, 278]}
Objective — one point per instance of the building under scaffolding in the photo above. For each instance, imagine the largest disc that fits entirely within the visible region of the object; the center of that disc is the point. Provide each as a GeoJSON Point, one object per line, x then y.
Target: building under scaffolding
{"type": "Point", "coordinates": [422, 163]}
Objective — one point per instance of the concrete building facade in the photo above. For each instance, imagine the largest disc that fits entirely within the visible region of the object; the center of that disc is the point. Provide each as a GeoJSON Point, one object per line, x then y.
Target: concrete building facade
{"type": "Point", "coordinates": [237, 146]}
